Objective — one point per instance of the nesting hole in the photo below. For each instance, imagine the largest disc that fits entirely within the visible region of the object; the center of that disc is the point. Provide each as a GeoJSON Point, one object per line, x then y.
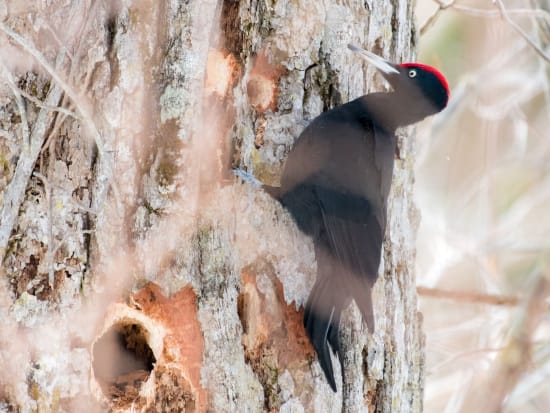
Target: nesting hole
{"type": "Point", "coordinates": [123, 361]}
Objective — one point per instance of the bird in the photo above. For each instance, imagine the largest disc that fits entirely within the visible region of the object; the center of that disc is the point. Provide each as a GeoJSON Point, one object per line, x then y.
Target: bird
{"type": "Point", "coordinates": [335, 184]}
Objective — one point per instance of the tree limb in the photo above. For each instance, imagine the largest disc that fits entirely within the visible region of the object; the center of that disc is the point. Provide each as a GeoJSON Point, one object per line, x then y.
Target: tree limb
{"type": "Point", "coordinates": [520, 31]}
{"type": "Point", "coordinates": [14, 195]}
{"type": "Point", "coordinates": [34, 52]}
{"type": "Point", "coordinates": [472, 297]}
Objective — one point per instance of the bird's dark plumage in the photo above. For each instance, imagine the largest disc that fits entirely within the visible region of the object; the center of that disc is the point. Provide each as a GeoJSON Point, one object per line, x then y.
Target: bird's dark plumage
{"type": "Point", "coordinates": [335, 184]}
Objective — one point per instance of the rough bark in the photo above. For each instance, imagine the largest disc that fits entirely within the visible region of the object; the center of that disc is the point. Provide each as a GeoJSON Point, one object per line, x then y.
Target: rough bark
{"type": "Point", "coordinates": [138, 273]}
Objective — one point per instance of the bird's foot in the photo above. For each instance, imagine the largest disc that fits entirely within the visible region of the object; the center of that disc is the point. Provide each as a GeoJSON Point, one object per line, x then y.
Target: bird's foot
{"type": "Point", "coordinates": [247, 177]}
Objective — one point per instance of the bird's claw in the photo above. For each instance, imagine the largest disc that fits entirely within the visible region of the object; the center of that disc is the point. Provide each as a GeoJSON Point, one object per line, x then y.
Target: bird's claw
{"type": "Point", "coordinates": [247, 177]}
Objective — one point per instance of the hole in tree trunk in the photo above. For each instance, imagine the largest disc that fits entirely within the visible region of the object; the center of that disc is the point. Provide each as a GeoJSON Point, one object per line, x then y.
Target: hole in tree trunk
{"type": "Point", "coordinates": [123, 361]}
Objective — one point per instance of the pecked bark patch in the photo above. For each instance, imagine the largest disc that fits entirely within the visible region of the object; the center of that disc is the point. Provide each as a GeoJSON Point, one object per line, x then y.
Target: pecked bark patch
{"type": "Point", "coordinates": [149, 354]}
{"type": "Point", "coordinates": [183, 343]}
{"type": "Point", "coordinates": [274, 338]}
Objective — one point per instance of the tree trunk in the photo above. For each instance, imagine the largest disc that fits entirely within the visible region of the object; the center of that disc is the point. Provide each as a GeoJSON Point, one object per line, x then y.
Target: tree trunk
{"type": "Point", "coordinates": [137, 272]}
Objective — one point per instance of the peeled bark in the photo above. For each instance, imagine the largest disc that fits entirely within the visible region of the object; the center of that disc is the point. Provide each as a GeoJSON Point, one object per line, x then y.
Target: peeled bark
{"type": "Point", "coordinates": [139, 273]}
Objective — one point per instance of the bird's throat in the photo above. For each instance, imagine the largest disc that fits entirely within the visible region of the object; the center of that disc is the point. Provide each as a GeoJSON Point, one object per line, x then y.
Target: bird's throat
{"type": "Point", "coordinates": [389, 111]}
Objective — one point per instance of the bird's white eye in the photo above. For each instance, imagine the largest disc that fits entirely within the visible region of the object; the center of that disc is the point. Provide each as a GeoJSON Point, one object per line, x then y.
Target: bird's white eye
{"type": "Point", "coordinates": [412, 73]}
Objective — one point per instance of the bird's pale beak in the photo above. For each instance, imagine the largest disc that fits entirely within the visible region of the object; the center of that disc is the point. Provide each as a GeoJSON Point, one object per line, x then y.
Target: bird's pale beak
{"type": "Point", "coordinates": [387, 68]}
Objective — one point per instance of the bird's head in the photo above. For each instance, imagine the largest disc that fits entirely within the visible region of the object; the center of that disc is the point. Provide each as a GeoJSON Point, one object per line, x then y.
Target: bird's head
{"type": "Point", "coordinates": [421, 88]}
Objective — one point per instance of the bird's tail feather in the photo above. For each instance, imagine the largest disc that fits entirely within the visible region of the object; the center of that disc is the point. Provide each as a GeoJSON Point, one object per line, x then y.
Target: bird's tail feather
{"type": "Point", "coordinates": [321, 321]}
{"type": "Point", "coordinates": [362, 294]}
{"type": "Point", "coordinates": [322, 316]}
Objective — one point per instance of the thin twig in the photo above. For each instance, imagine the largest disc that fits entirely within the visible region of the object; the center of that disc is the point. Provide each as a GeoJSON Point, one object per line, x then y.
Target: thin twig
{"type": "Point", "coordinates": [515, 358]}
{"type": "Point", "coordinates": [432, 19]}
{"type": "Point", "coordinates": [520, 31]}
{"type": "Point", "coordinates": [472, 297]}
{"type": "Point", "coordinates": [33, 51]}
{"type": "Point", "coordinates": [83, 109]}
{"type": "Point", "coordinates": [495, 13]}
{"type": "Point", "coordinates": [14, 194]}
{"type": "Point", "coordinates": [478, 13]}
{"type": "Point", "coordinates": [48, 143]}
{"type": "Point", "coordinates": [464, 354]}
{"type": "Point", "coordinates": [41, 104]}
{"type": "Point", "coordinates": [41, 23]}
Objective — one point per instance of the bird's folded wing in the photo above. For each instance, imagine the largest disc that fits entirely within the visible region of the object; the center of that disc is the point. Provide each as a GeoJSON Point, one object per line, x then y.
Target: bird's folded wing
{"type": "Point", "coordinates": [308, 202]}
{"type": "Point", "coordinates": [353, 233]}
{"type": "Point", "coordinates": [354, 240]}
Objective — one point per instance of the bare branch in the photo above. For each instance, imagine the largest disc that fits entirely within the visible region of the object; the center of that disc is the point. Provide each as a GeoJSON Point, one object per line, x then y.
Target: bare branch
{"type": "Point", "coordinates": [41, 23]}
{"type": "Point", "coordinates": [520, 31]}
{"type": "Point", "coordinates": [472, 297]}
{"type": "Point", "coordinates": [53, 132]}
{"type": "Point", "coordinates": [77, 100]}
{"type": "Point", "coordinates": [87, 118]}
{"type": "Point", "coordinates": [515, 358]}
{"type": "Point", "coordinates": [472, 11]}
{"type": "Point", "coordinates": [433, 18]}
{"type": "Point", "coordinates": [455, 357]}
{"type": "Point", "coordinates": [14, 195]}
{"type": "Point", "coordinates": [41, 104]}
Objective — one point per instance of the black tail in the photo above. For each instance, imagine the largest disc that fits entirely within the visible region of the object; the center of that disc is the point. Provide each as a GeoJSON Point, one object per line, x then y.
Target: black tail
{"type": "Point", "coordinates": [362, 295]}
{"type": "Point", "coordinates": [322, 321]}
{"type": "Point", "coordinates": [323, 312]}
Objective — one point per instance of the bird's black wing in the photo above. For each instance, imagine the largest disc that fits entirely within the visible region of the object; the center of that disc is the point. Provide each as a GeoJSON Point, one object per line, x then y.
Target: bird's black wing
{"type": "Point", "coordinates": [355, 247]}
{"type": "Point", "coordinates": [310, 202]}
{"type": "Point", "coordinates": [347, 248]}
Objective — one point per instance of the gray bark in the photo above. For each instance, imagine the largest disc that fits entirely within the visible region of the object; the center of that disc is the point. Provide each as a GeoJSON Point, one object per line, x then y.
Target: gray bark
{"type": "Point", "coordinates": [148, 239]}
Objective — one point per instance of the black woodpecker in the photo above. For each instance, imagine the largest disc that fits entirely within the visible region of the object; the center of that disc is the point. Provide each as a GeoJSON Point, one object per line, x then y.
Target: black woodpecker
{"type": "Point", "coordinates": [335, 183]}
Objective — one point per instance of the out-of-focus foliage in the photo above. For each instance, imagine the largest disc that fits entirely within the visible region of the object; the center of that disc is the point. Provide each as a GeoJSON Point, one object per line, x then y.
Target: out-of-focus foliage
{"type": "Point", "coordinates": [483, 188]}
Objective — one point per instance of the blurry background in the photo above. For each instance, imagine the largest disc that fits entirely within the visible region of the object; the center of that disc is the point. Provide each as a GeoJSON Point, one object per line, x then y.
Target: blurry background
{"type": "Point", "coordinates": [483, 189]}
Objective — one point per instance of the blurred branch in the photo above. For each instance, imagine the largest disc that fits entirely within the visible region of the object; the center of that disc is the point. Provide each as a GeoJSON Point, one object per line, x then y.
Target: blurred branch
{"type": "Point", "coordinates": [41, 104]}
{"type": "Point", "coordinates": [472, 297]}
{"type": "Point", "coordinates": [501, 12]}
{"type": "Point", "coordinates": [515, 358]}
{"type": "Point", "coordinates": [543, 24]}
{"type": "Point", "coordinates": [77, 100]}
{"type": "Point", "coordinates": [465, 354]}
{"type": "Point", "coordinates": [471, 11]}
{"type": "Point", "coordinates": [543, 35]}
{"type": "Point", "coordinates": [82, 108]}
{"type": "Point", "coordinates": [14, 195]}
{"type": "Point", "coordinates": [48, 143]}
{"type": "Point", "coordinates": [520, 31]}
{"type": "Point", "coordinates": [435, 15]}
{"type": "Point", "coordinates": [467, 89]}
{"type": "Point", "coordinates": [40, 23]}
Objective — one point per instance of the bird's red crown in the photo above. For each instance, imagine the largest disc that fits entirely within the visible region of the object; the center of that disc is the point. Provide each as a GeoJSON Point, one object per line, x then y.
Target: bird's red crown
{"type": "Point", "coordinates": [433, 70]}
